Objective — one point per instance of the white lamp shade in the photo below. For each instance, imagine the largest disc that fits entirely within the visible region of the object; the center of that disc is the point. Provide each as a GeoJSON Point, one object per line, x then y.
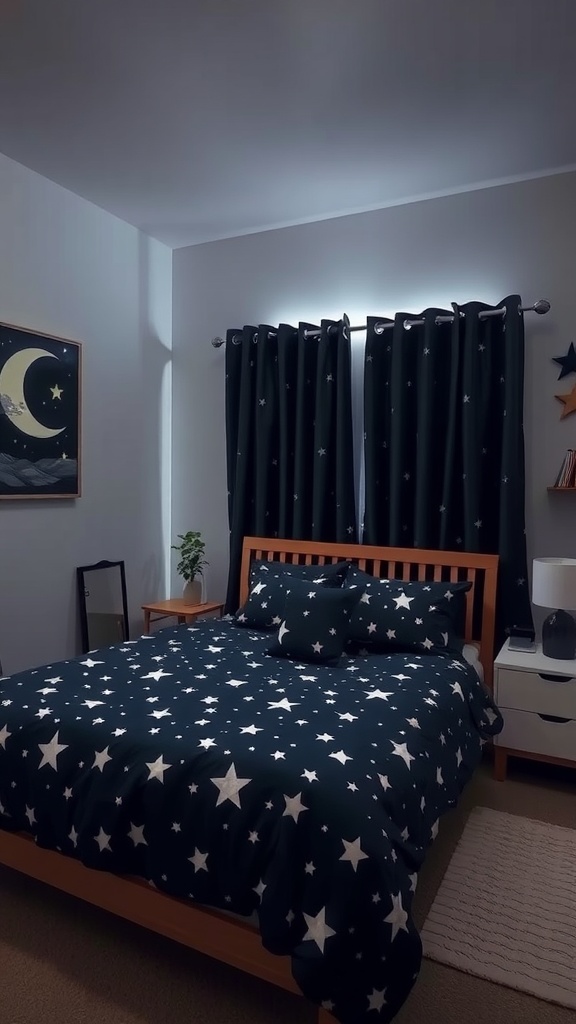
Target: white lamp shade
{"type": "Point", "coordinates": [554, 582]}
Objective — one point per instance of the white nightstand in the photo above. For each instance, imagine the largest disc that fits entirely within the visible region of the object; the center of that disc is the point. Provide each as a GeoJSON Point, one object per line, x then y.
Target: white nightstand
{"type": "Point", "coordinates": [537, 698]}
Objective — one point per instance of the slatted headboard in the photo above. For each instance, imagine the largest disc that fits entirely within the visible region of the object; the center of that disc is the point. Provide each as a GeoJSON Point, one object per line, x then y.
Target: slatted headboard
{"type": "Point", "coordinates": [400, 564]}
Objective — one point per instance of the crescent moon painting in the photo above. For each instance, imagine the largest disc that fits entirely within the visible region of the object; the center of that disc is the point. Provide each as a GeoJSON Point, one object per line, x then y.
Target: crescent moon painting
{"type": "Point", "coordinates": [39, 415]}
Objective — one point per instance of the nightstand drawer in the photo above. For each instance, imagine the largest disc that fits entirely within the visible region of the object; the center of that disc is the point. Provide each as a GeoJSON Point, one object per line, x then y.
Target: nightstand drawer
{"type": "Point", "coordinates": [524, 730]}
{"type": "Point", "coordinates": [527, 691]}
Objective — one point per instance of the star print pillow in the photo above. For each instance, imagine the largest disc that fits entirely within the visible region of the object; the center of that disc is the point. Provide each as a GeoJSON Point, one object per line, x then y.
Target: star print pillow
{"type": "Point", "coordinates": [268, 585]}
{"type": "Point", "coordinates": [394, 615]}
{"type": "Point", "coordinates": [315, 622]}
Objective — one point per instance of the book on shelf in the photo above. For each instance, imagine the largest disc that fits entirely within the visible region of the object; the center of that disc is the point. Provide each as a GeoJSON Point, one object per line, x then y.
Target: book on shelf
{"type": "Point", "coordinates": [567, 473]}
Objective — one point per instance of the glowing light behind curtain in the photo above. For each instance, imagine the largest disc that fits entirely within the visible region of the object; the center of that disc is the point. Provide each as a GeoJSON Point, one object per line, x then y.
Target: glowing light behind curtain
{"type": "Point", "coordinates": [444, 444]}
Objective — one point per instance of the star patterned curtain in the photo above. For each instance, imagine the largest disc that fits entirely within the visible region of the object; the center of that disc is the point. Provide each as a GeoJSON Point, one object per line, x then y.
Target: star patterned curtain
{"type": "Point", "coordinates": [288, 436]}
{"type": "Point", "coordinates": [444, 443]}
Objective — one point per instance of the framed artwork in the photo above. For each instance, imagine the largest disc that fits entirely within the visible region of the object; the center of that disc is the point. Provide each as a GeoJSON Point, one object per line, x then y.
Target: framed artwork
{"type": "Point", "coordinates": [40, 379]}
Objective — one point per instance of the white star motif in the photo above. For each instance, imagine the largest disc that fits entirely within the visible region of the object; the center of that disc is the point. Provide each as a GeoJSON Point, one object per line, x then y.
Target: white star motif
{"type": "Point", "coordinates": [294, 806]}
{"type": "Point", "coordinates": [427, 644]}
{"type": "Point", "coordinates": [159, 674]}
{"type": "Point", "coordinates": [199, 860]}
{"type": "Point", "coordinates": [229, 787]}
{"type": "Point", "coordinates": [251, 729]}
{"type": "Point", "coordinates": [285, 704]}
{"type": "Point", "coordinates": [353, 853]}
{"type": "Point", "coordinates": [207, 743]}
{"type": "Point", "coordinates": [92, 703]}
{"type": "Point", "coordinates": [456, 688]}
{"type": "Point", "coordinates": [73, 835]}
{"type": "Point", "coordinates": [339, 755]}
{"type": "Point", "coordinates": [89, 664]}
{"type": "Point", "coordinates": [325, 737]}
{"type": "Point", "coordinates": [347, 717]}
{"type": "Point", "coordinates": [103, 840]}
{"type": "Point", "coordinates": [371, 694]}
{"type": "Point", "coordinates": [372, 627]}
{"type": "Point", "coordinates": [136, 834]}
{"type": "Point", "coordinates": [401, 750]}
{"type": "Point", "coordinates": [50, 752]}
{"type": "Point", "coordinates": [318, 930]}
{"type": "Point", "coordinates": [258, 588]}
{"type": "Point", "coordinates": [236, 682]}
{"type": "Point", "coordinates": [30, 815]}
{"type": "Point", "coordinates": [384, 782]}
{"type": "Point", "coordinates": [376, 1000]}
{"type": "Point", "coordinates": [100, 759]}
{"type": "Point", "coordinates": [282, 631]}
{"type": "Point", "coordinates": [439, 778]}
{"type": "Point", "coordinates": [403, 601]}
{"type": "Point", "coordinates": [119, 732]}
{"type": "Point", "coordinates": [259, 889]}
{"type": "Point", "coordinates": [43, 712]}
{"type": "Point", "coordinates": [278, 755]}
{"type": "Point", "coordinates": [309, 776]}
{"type": "Point", "coordinates": [397, 916]}
{"type": "Point", "coordinates": [458, 757]}
{"type": "Point", "coordinates": [160, 714]}
{"type": "Point", "coordinates": [317, 647]}
{"type": "Point", "coordinates": [157, 768]}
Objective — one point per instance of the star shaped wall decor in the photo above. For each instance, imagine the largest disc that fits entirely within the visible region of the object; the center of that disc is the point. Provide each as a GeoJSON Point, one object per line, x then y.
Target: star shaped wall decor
{"type": "Point", "coordinates": [568, 401]}
{"type": "Point", "coordinates": [567, 362]}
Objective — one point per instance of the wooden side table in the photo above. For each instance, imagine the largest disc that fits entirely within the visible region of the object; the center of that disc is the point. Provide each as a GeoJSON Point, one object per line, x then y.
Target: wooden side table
{"type": "Point", "coordinates": [182, 610]}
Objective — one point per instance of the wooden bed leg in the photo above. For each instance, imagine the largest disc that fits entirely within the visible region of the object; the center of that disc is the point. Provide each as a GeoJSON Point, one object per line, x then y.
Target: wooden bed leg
{"type": "Point", "coordinates": [500, 763]}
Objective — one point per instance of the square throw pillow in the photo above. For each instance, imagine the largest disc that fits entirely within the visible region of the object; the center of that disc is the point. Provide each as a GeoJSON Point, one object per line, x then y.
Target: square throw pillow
{"type": "Point", "coordinates": [268, 583]}
{"type": "Point", "coordinates": [315, 622]}
{"type": "Point", "coordinates": [392, 614]}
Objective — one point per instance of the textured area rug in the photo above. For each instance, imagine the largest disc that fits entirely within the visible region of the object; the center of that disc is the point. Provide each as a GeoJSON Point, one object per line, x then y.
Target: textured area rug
{"type": "Point", "coordinates": [506, 908]}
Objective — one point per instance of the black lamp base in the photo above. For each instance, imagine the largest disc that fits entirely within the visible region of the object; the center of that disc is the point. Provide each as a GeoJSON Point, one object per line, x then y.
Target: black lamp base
{"type": "Point", "coordinates": [559, 636]}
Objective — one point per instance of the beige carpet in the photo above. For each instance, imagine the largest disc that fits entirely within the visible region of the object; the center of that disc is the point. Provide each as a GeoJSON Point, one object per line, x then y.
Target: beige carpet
{"type": "Point", "coordinates": [62, 962]}
{"type": "Point", "coordinates": [506, 908]}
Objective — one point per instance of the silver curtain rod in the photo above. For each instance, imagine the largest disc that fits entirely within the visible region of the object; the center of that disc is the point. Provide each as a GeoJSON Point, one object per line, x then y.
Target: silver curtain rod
{"type": "Point", "coordinates": [541, 306]}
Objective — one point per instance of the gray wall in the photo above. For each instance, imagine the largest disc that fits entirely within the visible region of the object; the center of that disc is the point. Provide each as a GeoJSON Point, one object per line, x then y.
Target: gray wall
{"type": "Point", "coordinates": [69, 269]}
{"type": "Point", "coordinates": [477, 245]}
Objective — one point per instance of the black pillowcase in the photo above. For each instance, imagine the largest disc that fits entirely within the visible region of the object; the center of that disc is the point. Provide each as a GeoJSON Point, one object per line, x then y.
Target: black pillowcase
{"type": "Point", "coordinates": [315, 623]}
{"type": "Point", "coordinates": [393, 615]}
{"type": "Point", "coordinates": [268, 586]}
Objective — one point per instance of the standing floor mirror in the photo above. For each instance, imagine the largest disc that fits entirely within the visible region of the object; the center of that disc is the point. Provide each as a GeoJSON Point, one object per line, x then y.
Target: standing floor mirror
{"type": "Point", "coordinates": [103, 604]}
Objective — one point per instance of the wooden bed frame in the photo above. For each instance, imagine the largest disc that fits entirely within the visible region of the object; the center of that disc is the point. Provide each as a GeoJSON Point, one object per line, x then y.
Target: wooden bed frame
{"type": "Point", "coordinates": [209, 931]}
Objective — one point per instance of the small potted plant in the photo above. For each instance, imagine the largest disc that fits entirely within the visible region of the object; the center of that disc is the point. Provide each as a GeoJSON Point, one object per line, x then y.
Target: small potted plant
{"type": "Point", "coordinates": [191, 564]}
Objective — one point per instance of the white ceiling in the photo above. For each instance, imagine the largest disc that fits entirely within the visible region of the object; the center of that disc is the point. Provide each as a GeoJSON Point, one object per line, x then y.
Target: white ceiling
{"type": "Point", "coordinates": [202, 119]}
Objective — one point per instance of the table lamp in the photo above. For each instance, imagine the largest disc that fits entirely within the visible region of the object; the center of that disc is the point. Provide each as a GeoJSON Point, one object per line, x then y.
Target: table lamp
{"type": "Point", "coordinates": [554, 586]}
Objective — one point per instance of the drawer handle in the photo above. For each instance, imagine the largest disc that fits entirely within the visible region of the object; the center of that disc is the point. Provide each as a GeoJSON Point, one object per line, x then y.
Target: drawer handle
{"type": "Point", "coordinates": [555, 679]}
{"type": "Point", "coordinates": [554, 718]}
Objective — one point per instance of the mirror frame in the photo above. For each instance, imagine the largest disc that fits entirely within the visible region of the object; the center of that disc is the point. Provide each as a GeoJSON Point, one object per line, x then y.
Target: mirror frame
{"type": "Point", "coordinates": [82, 599]}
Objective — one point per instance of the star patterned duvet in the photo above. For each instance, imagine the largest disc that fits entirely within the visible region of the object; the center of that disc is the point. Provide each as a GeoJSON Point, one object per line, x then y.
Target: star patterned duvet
{"type": "Point", "coordinates": [308, 794]}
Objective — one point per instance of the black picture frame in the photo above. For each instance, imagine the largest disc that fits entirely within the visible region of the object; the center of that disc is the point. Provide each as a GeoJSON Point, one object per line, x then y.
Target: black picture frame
{"type": "Point", "coordinates": [81, 586]}
{"type": "Point", "coordinates": [40, 415]}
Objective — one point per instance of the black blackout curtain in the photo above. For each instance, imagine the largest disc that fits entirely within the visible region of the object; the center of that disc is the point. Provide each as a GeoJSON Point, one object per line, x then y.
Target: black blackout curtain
{"type": "Point", "coordinates": [288, 436]}
{"type": "Point", "coordinates": [444, 445]}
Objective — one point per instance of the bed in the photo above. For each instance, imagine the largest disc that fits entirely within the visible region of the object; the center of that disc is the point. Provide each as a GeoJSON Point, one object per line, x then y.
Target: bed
{"type": "Point", "coordinates": [291, 801]}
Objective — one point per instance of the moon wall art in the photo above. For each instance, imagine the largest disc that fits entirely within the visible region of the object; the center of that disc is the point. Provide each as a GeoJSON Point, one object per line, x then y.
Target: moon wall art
{"type": "Point", "coordinates": [39, 415]}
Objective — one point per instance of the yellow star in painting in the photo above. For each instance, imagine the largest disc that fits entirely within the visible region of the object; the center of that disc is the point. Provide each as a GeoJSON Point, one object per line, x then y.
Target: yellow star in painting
{"type": "Point", "coordinates": [56, 391]}
{"type": "Point", "coordinates": [568, 401]}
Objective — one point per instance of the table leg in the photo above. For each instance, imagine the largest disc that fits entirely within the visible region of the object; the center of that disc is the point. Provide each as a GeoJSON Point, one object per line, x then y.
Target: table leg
{"type": "Point", "coordinates": [181, 619]}
{"type": "Point", "coordinates": [146, 621]}
{"type": "Point", "coordinates": [500, 764]}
